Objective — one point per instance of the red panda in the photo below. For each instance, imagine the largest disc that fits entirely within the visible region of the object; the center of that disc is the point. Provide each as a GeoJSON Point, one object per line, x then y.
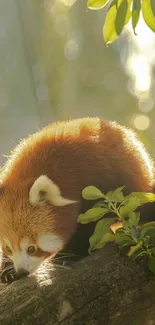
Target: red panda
{"type": "Point", "coordinates": [42, 181]}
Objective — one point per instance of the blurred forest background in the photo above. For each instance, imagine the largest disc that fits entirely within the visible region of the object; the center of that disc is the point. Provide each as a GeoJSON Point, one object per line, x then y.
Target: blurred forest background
{"type": "Point", "coordinates": [55, 65]}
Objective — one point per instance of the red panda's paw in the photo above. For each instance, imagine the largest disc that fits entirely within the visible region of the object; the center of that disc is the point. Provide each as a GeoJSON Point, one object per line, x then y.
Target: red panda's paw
{"type": "Point", "coordinates": [8, 273]}
{"type": "Point", "coordinates": [8, 276]}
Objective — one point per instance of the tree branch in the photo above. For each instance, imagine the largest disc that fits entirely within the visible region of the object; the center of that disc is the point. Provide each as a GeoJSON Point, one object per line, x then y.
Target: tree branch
{"type": "Point", "coordinates": [104, 288]}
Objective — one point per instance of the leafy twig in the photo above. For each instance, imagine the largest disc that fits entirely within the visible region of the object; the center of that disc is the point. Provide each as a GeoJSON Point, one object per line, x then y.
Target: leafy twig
{"type": "Point", "coordinates": [140, 240]}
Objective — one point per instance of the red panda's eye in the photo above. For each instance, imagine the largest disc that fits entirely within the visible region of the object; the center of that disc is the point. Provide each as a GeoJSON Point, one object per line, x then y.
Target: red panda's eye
{"type": "Point", "coordinates": [31, 250]}
{"type": "Point", "coordinates": [8, 250]}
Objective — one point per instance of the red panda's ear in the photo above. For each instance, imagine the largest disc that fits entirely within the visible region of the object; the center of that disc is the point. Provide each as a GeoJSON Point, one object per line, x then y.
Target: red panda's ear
{"type": "Point", "coordinates": [44, 189]}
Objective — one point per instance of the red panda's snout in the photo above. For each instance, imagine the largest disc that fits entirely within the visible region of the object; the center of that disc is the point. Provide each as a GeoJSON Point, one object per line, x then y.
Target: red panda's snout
{"type": "Point", "coordinates": [27, 255]}
{"type": "Point", "coordinates": [34, 229]}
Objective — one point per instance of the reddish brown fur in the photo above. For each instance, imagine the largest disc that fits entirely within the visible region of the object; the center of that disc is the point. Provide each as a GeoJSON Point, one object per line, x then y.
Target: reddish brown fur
{"type": "Point", "coordinates": [73, 154]}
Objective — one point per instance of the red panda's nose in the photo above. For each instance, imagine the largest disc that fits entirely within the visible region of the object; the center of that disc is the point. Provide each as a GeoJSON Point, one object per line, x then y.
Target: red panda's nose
{"type": "Point", "coordinates": [21, 273]}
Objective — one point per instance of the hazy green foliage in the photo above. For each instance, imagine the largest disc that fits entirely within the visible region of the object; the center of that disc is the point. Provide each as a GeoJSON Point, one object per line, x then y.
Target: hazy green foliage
{"type": "Point", "coordinates": [138, 240]}
{"type": "Point", "coordinates": [120, 12]}
{"type": "Point", "coordinates": [67, 71]}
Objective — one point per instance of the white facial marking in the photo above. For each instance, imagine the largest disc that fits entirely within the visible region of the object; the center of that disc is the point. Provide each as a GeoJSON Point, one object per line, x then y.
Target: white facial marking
{"type": "Point", "coordinates": [52, 192]}
{"type": "Point", "coordinates": [50, 243]}
{"type": "Point", "coordinates": [24, 261]}
{"type": "Point", "coordinates": [24, 244]}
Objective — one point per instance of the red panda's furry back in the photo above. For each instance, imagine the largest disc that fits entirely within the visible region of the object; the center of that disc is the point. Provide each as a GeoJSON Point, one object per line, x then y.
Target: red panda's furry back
{"type": "Point", "coordinates": [73, 154]}
{"type": "Point", "coordinates": [80, 152]}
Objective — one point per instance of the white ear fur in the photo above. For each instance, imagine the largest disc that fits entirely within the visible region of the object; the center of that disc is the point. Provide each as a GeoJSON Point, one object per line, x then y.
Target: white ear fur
{"type": "Point", "coordinates": [51, 192]}
{"type": "Point", "coordinates": [50, 242]}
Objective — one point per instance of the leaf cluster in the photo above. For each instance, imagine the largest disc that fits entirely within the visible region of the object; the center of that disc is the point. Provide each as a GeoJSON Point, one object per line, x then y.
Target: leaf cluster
{"type": "Point", "coordinates": [138, 240]}
{"type": "Point", "coordinates": [120, 12]}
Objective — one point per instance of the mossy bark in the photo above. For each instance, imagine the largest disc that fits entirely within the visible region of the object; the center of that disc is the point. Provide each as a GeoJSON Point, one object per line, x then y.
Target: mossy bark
{"type": "Point", "coordinates": [104, 288]}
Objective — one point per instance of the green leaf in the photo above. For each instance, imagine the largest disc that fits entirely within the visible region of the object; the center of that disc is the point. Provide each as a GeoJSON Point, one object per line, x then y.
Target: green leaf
{"type": "Point", "coordinates": [134, 232]}
{"type": "Point", "coordinates": [134, 249]}
{"type": "Point", "coordinates": [100, 204]}
{"type": "Point", "coordinates": [96, 4]}
{"type": "Point", "coordinates": [119, 189]}
{"type": "Point", "coordinates": [153, 6]}
{"type": "Point", "coordinates": [120, 231]}
{"type": "Point", "coordinates": [109, 28]}
{"type": "Point", "coordinates": [126, 224]}
{"type": "Point", "coordinates": [118, 197]}
{"type": "Point", "coordinates": [147, 231]}
{"type": "Point", "coordinates": [121, 16]}
{"type": "Point", "coordinates": [117, 16]}
{"type": "Point", "coordinates": [129, 13]}
{"type": "Point", "coordinates": [142, 196]}
{"type": "Point", "coordinates": [102, 227]}
{"type": "Point", "coordinates": [148, 14]}
{"type": "Point", "coordinates": [108, 237]}
{"type": "Point", "coordinates": [120, 239]}
{"type": "Point", "coordinates": [136, 8]}
{"type": "Point", "coordinates": [151, 265]}
{"type": "Point", "coordinates": [115, 196]}
{"type": "Point", "coordinates": [148, 224]}
{"type": "Point", "coordinates": [134, 218]}
{"type": "Point", "coordinates": [130, 206]}
{"type": "Point", "coordinates": [92, 193]}
{"type": "Point", "coordinates": [92, 215]}
{"type": "Point", "coordinates": [109, 195]}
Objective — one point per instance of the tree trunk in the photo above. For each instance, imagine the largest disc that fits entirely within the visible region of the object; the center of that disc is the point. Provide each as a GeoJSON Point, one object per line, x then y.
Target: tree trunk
{"type": "Point", "coordinates": [104, 288]}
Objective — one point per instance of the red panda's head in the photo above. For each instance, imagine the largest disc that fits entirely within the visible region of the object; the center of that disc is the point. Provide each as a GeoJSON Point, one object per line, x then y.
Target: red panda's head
{"type": "Point", "coordinates": [35, 222]}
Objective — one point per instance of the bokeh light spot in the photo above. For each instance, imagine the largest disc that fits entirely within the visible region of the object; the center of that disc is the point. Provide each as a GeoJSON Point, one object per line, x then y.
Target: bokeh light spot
{"type": "Point", "coordinates": [68, 3]}
{"type": "Point", "coordinates": [71, 49]}
{"type": "Point", "coordinates": [141, 122]}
